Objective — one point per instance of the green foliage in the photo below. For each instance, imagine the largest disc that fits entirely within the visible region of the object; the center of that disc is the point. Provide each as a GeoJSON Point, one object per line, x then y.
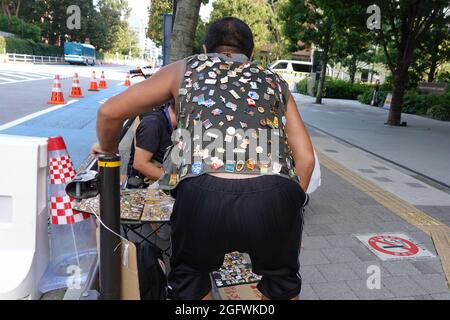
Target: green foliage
{"type": "Point", "coordinates": [20, 28]}
{"type": "Point", "coordinates": [440, 112]}
{"type": "Point", "coordinates": [2, 44]}
{"type": "Point", "coordinates": [366, 97]}
{"type": "Point", "coordinates": [417, 103]}
{"type": "Point", "coordinates": [28, 46]}
{"type": "Point", "coordinates": [302, 86]}
{"type": "Point", "coordinates": [340, 89]}
{"type": "Point", "coordinates": [155, 21]}
{"type": "Point", "coordinates": [433, 106]}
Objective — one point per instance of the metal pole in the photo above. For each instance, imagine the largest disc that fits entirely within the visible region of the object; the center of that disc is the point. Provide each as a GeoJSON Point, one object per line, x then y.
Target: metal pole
{"type": "Point", "coordinates": [109, 184]}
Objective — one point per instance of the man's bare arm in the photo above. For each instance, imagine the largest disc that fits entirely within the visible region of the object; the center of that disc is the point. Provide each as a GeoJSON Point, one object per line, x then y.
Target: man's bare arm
{"type": "Point", "coordinates": [138, 99]}
{"type": "Point", "coordinates": [300, 143]}
{"type": "Point", "coordinates": [142, 164]}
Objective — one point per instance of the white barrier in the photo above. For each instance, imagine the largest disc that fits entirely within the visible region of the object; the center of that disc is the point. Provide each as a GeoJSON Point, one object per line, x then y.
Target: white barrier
{"type": "Point", "coordinates": [23, 216]}
{"type": "Point", "coordinates": [27, 58]}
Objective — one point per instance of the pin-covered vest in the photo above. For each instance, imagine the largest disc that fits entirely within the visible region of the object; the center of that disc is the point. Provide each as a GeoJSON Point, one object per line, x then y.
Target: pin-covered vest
{"type": "Point", "coordinates": [231, 117]}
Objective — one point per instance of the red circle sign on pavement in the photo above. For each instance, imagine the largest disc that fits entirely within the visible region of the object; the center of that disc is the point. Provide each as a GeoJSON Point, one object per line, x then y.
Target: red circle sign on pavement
{"type": "Point", "coordinates": [393, 245]}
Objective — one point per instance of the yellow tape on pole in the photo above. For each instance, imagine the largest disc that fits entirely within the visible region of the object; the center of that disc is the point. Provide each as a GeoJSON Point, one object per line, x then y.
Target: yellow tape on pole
{"type": "Point", "coordinates": [109, 164]}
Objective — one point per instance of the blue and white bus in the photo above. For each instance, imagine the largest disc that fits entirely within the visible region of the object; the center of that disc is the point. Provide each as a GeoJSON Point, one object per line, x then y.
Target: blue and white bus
{"type": "Point", "coordinates": [81, 53]}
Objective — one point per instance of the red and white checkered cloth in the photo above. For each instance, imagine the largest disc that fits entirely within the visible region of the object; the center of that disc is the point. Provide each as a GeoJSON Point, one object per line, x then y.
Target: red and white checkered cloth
{"type": "Point", "coordinates": [61, 170]}
{"type": "Point", "coordinates": [61, 211]}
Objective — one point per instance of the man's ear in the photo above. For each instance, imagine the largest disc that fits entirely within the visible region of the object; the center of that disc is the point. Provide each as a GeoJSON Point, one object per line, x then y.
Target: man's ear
{"type": "Point", "coordinates": [205, 50]}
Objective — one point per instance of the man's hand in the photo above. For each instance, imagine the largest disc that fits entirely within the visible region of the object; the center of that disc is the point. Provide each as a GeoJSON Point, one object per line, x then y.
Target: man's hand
{"type": "Point", "coordinates": [96, 150]}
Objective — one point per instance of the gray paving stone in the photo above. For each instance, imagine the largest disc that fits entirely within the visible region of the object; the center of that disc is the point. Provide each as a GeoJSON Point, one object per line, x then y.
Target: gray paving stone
{"type": "Point", "coordinates": [367, 170]}
{"type": "Point", "coordinates": [315, 242]}
{"type": "Point", "coordinates": [381, 168]}
{"type": "Point", "coordinates": [334, 291]}
{"type": "Point", "coordinates": [400, 268]}
{"type": "Point", "coordinates": [359, 287]}
{"type": "Point", "coordinates": [318, 230]}
{"type": "Point", "coordinates": [320, 219]}
{"type": "Point", "coordinates": [337, 272]}
{"type": "Point", "coordinates": [415, 185]}
{"type": "Point", "coordinates": [392, 226]}
{"type": "Point", "coordinates": [432, 283]}
{"type": "Point", "coordinates": [423, 297]}
{"type": "Point", "coordinates": [428, 266]}
{"type": "Point", "coordinates": [402, 286]}
{"type": "Point", "coordinates": [350, 228]}
{"type": "Point", "coordinates": [340, 255]}
{"type": "Point", "coordinates": [401, 298]}
{"type": "Point", "coordinates": [364, 254]}
{"type": "Point", "coordinates": [331, 150]}
{"type": "Point", "coordinates": [323, 209]}
{"type": "Point", "coordinates": [342, 241]}
{"type": "Point", "coordinates": [382, 179]}
{"type": "Point", "coordinates": [312, 257]}
{"type": "Point", "coordinates": [365, 200]}
{"type": "Point", "coordinates": [310, 274]}
{"type": "Point", "coordinates": [441, 296]}
{"type": "Point", "coordinates": [308, 293]}
{"type": "Point", "coordinates": [360, 268]}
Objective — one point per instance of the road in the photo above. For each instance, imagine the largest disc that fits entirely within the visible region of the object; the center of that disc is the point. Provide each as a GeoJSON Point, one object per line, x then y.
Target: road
{"type": "Point", "coordinates": [423, 146]}
{"type": "Point", "coordinates": [26, 88]}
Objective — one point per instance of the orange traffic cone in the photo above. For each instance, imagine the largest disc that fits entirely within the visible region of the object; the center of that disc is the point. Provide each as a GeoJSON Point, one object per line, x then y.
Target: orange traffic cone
{"type": "Point", "coordinates": [102, 84]}
{"type": "Point", "coordinates": [93, 85]}
{"type": "Point", "coordinates": [75, 92]}
{"type": "Point", "coordinates": [57, 95]}
{"type": "Point", "coordinates": [127, 80]}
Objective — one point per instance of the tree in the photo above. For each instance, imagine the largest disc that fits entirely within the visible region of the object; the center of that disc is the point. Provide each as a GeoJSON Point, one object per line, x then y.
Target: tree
{"type": "Point", "coordinates": [312, 22]}
{"type": "Point", "coordinates": [155, 21]}
{"type": "Point", "coordinates": [185, 24]}
{"type": "Point", "coordinates": [403, 24]}
{"type": "Point", "coordinates": [434, 48]}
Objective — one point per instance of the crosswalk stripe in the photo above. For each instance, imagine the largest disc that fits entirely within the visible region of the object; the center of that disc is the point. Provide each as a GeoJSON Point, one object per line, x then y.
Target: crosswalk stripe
{"type": "Point", "coordinates": [18, 77]}
{"type": "Point", "coordinates": [8, 77]}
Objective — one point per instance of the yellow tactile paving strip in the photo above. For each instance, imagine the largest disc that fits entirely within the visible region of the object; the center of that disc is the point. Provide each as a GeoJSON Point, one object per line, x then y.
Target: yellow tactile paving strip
{"type": "Point", "coordinates": [439, 232]}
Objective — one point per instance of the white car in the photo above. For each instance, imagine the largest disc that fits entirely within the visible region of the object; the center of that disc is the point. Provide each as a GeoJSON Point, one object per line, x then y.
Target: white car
{"type": "Point", "coordinates": [292, 71]}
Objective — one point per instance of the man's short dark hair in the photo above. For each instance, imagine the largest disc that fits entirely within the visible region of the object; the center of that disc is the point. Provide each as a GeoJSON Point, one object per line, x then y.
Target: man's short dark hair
{"type": "Point", "coordinates": [230, 32]}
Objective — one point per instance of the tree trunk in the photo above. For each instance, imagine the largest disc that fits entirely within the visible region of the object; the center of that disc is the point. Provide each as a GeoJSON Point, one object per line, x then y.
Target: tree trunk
{"type": "Point", "coordinates": [185, 25]}
{"type": "Point", "coordinates": [323, 73]}
{"type": "Point", "coordinates": [352, 69]}
{"type": "Point", "coordinates": [433, 68]}
{"type": "Point", "coordinates": [17, 8]}
{"type": "Point", "coordinates": [395, 112]}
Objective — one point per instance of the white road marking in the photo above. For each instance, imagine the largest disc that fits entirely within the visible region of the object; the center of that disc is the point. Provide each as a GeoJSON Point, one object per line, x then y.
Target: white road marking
{"type": "Point", "coordinates": [33, 115]}
{"type": "Point", "coordinates": [7, 76]}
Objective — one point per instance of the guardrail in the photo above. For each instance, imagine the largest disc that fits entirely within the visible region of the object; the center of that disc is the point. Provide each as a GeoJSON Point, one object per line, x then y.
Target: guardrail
{"type": "Point", "coordinates": [27, 58]}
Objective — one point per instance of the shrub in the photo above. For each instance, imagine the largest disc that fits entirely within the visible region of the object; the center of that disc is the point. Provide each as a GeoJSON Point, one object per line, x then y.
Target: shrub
{"type": "Point", "coordinates": [340, 89]}
{"type": "Point", "coordinates": [302, 86]}
{"type": "Point", "coordinates": [439, 112]}
{"type": "Point", "coordinates": [28, 46]}
{"type": "Point", "coordinates": [2, 45]}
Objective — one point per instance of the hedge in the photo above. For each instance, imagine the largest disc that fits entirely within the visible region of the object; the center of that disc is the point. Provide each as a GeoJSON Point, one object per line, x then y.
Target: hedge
{"type": "Point", "coordinates": [20, 28]}
{"type": "Point", "coordinates": [337, 89]}
{"type": "Point", "coordinates": [28, 46]}
{"type": "Point", "coordinates": [433, 106]}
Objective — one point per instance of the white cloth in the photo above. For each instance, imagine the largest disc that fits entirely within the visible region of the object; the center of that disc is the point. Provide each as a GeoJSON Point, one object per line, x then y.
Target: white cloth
{"type": "Point", "coordinates": [316, 180]}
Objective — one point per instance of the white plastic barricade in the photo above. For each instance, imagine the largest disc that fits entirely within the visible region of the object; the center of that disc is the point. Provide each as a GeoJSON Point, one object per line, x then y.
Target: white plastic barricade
{"type": "Point", "coordinates": [23, 216]}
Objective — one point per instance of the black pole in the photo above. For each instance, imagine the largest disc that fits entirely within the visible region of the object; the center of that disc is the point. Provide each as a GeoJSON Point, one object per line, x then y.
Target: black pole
{"type": "Point", "coordinates": [109, 185]}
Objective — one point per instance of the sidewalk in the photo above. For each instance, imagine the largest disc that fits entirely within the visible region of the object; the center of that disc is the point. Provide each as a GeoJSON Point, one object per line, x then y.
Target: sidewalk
{"type": "Point", "coordinates": [334, 262]}
{"type": "Point", "coordinates": [423, 146]}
